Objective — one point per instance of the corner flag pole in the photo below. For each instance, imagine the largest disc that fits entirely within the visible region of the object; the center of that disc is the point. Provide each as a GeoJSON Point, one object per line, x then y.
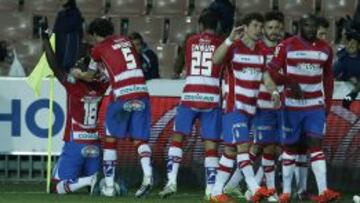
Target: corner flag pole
{"type": "Point", "coordinates": [50, 133]}
{"type": "Point", "coordinates": [35, 80]}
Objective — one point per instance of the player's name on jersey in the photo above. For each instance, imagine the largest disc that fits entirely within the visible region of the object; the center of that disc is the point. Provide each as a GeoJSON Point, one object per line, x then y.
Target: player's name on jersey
{"type": "Point", "coordinates": [85, 136]}
{"type": "Point", "coordinates": [203, 47]}
{"type": "Point", "coordinates": [133, 89]}
{"type": "Point", "coordinates": [121, 44]}
{"type": "Point", "coordinates": [198, 97]}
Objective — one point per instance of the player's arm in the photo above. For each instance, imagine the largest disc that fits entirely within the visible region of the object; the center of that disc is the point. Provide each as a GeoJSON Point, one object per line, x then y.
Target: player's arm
{"type": "Point", "coordinates": [277, 63]}
{"type": "Point", "coordinates": [59, 73]}
{"type": "Point", "coordinates": [222, 50]}
{"type": "Point", "coordinates": [328, 81]}
{"type": "Point", "coordinates": [272, 76]}
{"type": "Point", "coordinates": [90, 74]}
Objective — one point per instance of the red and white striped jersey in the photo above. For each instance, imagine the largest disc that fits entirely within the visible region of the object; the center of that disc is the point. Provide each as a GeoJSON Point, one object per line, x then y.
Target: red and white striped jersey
{"type": "Point", "coordinates": [309, 65]}
{"type": "Point", "coordinates": [244, 77]}
{"type": "Point", "coordinates": [264, 100]}
{"type": "Point", "coordinates": [121, 61]}
{"type": "Point", "coordinates": [83, 100]}
{"type": "Point", "coordinates": [202, 84]}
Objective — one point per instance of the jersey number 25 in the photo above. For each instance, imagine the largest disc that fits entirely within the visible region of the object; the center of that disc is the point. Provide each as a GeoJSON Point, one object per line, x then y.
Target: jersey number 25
{"type": "Point", "coordinates": [201, 63]}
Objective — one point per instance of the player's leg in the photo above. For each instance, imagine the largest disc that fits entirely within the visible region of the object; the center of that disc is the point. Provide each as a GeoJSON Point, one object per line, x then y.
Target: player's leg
{"type": "Point", "coordinates": [301, 171]}
{"type": "Point", "coordinates": [237, 176]}
{"type": "Point", "coordinates": [227, 160]}
{"type": "Point", "coordinates": [291, 135]}
{"type": "Point", "coordinates": [268, 128]}
{"type": "Point", "coordinates": [314, 127]}
{"type": "Point", "coordinates": [184, 120]}
{"type": "Point", "coordinates": [210, 122]}
{"type": "Point", "coordinates": [232, 186]}
{"type": "Point", "coordinates": [268, 165]}
{"type": "Point", "coordinates": [116, 121]}
{"type": "Point", "coordinates": [226, 165]}
{"type": "Point", "coordinates": [255, 153]}
{"type": "Point", "coordinates": [236, 130]}
{"type": "Point", "coordinates": [68, 169]}
{"type": "Point", "coordinates": [140, 124]}
{"type": "Point", "coordinates": [92, 165]}
{"type": "Point", "coordinates": [244, 141]}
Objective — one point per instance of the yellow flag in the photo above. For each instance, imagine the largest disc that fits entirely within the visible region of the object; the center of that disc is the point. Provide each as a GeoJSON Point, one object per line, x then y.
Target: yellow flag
{"type": "Point", "coordinates": [41, 70]}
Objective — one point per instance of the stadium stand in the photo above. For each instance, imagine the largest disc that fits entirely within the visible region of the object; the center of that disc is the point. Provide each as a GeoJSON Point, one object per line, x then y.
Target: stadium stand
{"type": "Point", "coordinates": [296, 7]}
{"type": "Point", "coordinates": [6, 5]}
{"type": "Point", "coordinates": [166, 7]}
{"type": "Point", "coordinates": [150, 27]}
{"type": "Point", "coordinates": [338, 7]}
{"type": "Point", "coordinates": [167, 54]}
{"type": "Point", "coordinates": [127, 7]}
{"type": "Point", "coordinates": [199, 5]}
{"type": "Point", "coordinates": [29, 51]}
{"type": "Point", "coordinates": [91, 6]}
{"type": "Point", "coordinates": [15, 25]}
{"type": "Point", "coordinates": [180, 26]}
{"type": "Point", "coordinates": [41, 5]}
{"type": "Point", "coordinates": [252, 6]}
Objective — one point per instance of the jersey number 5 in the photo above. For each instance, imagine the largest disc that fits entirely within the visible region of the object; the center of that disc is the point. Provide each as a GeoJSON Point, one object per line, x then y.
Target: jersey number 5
{"type": "Point", "coordinates": [129, 58]}
{"type": "Point", "coordinates": [201, 63]}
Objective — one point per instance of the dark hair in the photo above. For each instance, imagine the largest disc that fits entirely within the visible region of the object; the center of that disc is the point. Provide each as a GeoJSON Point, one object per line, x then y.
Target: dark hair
{"type": "Point", "coordinates": [209, 19]}
{"type": "Point", "coordinates": [101, 26]}
{"type": "Point", "coordinates": [308, 16]}
{"type": "Point", "coordinates": [3, 50]}
{"type": "Point", "coordinates": [322, 22]}
{"type": "Point", "coordinates": [246, 20]}
{"type": "Point", "coordinates": [136, 36]}
{"type": "Point", "coordinates": [274, 15]}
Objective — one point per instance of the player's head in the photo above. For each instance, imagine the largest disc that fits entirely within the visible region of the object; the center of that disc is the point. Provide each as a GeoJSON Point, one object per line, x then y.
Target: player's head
{"type": "Point", "coordinates": [253, 23]}
{"type": "Point", "coordinates": [273, 25]}
{"type": "Point", "coordinates": [137, 40]}
{"type": "Point", "coordinates": [308, 27]}
{"type": "Point", "coordinates": [208, 20]}
{"type": "Point", "coordinates": [322, 29]}
{"type": "Point", "coordinates": [100, 28]}
{"type": "Point", "coordinates": [352, 45]}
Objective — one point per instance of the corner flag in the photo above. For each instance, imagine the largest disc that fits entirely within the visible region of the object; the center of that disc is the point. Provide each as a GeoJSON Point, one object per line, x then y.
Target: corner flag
{"type": "Point", "coordinates": [41, 71]}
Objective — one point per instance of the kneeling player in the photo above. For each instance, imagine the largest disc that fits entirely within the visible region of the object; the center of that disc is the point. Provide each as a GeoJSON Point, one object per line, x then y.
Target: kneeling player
{"type": "Point", "coordinates": [80, 158]}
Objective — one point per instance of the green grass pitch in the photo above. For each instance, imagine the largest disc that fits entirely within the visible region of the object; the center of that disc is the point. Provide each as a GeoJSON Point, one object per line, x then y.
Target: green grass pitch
{"type": "Point", "coordinates": [34, 193]}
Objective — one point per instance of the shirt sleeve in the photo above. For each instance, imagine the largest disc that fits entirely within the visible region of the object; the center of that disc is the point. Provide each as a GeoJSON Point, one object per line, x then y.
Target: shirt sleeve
{"type": "Point", "coordinates": [96, 54]}
{"type": "Point", "coordinates": [278, 60]}
{"type": "Point", "coordinates": [277, 63]}
{"type": "Point", "coordinates": [229, 54]}
{"type": "Point", "coordinates": [328, 80]}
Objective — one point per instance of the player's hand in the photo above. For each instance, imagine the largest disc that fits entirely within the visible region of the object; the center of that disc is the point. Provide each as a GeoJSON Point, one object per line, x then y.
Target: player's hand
{"type": "Point", "coordinates": [76, 72]}
{"type": "Point", "coordinates": [275, 97]}
{"type": "Point", "coordinates": [296, 91]}
{"type": "Point", "coordinates": [236, 33]}
{"type": "Point", "coordinates": [82, 63]}
{"type": "Point", "coordinates": [43, 25]}
{"type": "Point", "coordinates": [349, 98]}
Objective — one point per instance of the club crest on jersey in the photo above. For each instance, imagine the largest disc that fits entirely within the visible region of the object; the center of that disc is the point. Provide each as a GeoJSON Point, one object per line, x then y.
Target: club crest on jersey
{"type": "Point", "coordinates": [90, 151]}
{"type": "Point", "coordinates": [134, 105]}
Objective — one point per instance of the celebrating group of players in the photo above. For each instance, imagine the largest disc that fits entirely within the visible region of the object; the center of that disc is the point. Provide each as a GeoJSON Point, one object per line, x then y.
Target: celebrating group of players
{"type": "Point", "coordinates": [254, 91]}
